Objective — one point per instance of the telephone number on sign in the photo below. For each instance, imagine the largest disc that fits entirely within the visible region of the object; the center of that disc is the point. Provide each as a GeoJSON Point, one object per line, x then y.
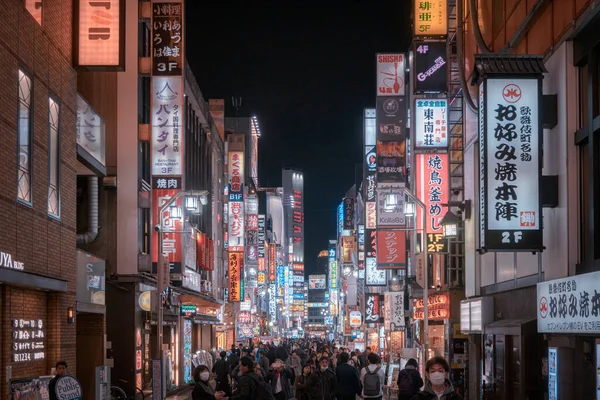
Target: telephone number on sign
{"type": "Point", "coordinates": [20, 357]}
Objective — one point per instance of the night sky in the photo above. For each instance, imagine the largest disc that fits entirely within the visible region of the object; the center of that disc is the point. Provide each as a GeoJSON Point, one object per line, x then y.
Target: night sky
{"type": "Point", "coordinates": [307, 72]}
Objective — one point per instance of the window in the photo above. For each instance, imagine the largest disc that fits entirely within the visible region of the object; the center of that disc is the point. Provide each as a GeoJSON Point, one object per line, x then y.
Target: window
{"type": "Point", "coordinates": [35, 9]}
{"type": "Point", "coordinates": [25, 142]}
{"type": "Point", "coordinates": [53, 157]}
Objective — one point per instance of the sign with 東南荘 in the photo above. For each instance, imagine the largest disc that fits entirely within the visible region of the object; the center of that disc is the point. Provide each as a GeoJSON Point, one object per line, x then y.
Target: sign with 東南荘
{"type": "Point", "coordinates": [167, 126]}
{"type": "Point", "coordinates": [431, 123]}
{"type": "Point", "coordinates": [167, 38]}
{"type": "Point", "coordinates": [431, 72]}
{"type": "Point", "coordinates": [390, 74]}
{"type": "Point", "coordinates": [510, 205]}
{"type": "Point", "coordinates": [391, 118]}
{"type": "Point", "coordinates": [28, 340]}
{"type": "Point", "coordinates": [569, 305]}
{"type": "Point", "coordinates": [431, 18]}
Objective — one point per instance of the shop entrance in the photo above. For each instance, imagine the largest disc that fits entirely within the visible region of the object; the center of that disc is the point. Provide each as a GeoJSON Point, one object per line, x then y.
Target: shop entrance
{"type": "Point", "coordinates": [90, 350]}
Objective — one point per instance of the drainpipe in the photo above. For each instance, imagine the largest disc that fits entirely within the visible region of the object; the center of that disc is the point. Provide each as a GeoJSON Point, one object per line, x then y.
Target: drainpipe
{"type": "Point", "coordinates": [92, 232]}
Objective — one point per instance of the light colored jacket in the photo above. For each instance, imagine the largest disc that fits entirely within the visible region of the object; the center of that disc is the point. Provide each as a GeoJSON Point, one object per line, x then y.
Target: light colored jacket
{"type": "Point", "coordinates": [296, 364]}
{"type": "Point", "coordinates": [372, 368]}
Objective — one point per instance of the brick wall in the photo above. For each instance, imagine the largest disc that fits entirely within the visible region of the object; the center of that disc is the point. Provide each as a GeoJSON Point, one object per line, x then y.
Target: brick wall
{"type": "Point", "coordinates": [45, 246]}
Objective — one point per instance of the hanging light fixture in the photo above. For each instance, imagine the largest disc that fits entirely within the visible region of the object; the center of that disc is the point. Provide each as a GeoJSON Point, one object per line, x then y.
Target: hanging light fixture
{"type": "Point", "coordinates": [175, 212]}
{"type": "Point", "coordinates": [191, 203]}
{"type": "Point", "coordinates": [409, 209]}
{"type": "Point", "coordinates": [450, 225]}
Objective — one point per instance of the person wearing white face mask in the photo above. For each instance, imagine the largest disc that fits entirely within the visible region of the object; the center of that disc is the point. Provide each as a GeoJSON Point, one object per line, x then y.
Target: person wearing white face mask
{"type": "Point", "coordinates": [202, 389]}
{"type": "Point", "coordinates": [437, 385]}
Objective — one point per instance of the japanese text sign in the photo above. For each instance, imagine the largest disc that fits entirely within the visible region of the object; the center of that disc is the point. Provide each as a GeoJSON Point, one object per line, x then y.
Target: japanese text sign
{"type": "Point", "coordinates": [235, 168]}
{"type": "Point", "coordinates": [390, 204]}
{"type": "Point", "coordinates": [348, 213]}
{"type": "Point", "coordinates": [373, 303]}
{"type": "Point", "coordinates": [510, 165]}
{"type": "Point", "coordinates": [390, 74]}
{"type": "Point", "coordinates": [569, 305]}
{"type": "Point", "coordinates": [391, 249]}
{"type": "Point", "coordinates": [167, 126]}
{"type": "Point", "coordinates": [172, 239]}
{"type": "Point", "coordinates": [431, 72]}
{"type": "Point", "coordinates": [236, 265]}
{"type": "Point", "coordinates": [167, 38]}
{"type": "Point", "coordinates": [431, 18]}
{"type": "Point", "coordinates": [261, 236]}
{"type": "Point", "coordinates": [431, 123]}
{"type": "Point", "coordinates": [99, 32]}
{"type": "Point", "coordinates": [391, 161]}
{"type": "Point", "coordinates": [236, 230]}
{"type": "Point", "coordinates": [371, 215]}
{"type": "Point", "coordinates": [374, 276]}
{"type": "Point", "coordinates": [391, 118]}
{"type": "Point", "coordinates": [433, 189]}
{"type": "Point", "coordinates": [90, 130]}
{"type": "Point", "coordinates": [438, 307]}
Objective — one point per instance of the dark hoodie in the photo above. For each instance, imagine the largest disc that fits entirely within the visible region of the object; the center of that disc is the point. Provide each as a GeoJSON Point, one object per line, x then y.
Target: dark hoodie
{"type": "Point", "coordinates": [246, 388]}
{"type": "Point", "coordinates": [428, 394]}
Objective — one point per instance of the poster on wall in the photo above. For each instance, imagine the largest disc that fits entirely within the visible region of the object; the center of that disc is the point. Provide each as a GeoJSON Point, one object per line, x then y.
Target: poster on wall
{"type": "Point", "coordinates": [510, 131]}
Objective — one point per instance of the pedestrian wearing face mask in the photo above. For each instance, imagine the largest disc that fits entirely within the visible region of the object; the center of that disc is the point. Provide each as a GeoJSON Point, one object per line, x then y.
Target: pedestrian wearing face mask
{"type": "Point", "coordinates": [437, 384]}
{"type": "Point", "coordinates": [202, 390]}
{"type": "Point", "coordinates": [326, 381]}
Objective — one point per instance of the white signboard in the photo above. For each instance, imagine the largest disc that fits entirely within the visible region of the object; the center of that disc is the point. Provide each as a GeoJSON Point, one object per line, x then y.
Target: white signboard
{"type": "Point", "coordinates": [236, 225]}
{"type": "Point", "coordinates": [68, 387]}
{"type": "Point", "coordinates": [396, 307]}
{"type": "Point", "coordinates": [317, 282]}
{"type": "Point", "coordinates": [390, 74]}
{"type": "Point", "coordinates": [510, 153]}
{"type": "Point", "coordinates": [374, 276]}
{"type": "Point", "coordinates": [355, 319]}
{"type": "Point", "coordinates": [390, 204]}
{"type": "Point", "coordinates": [167, 126]}
{"type": "Point", "coordinates": [569, 305]}
{"type": "Point", "coordinates": [98, 36]}
{"type": "Point", "coordinates": [90, 130]}
{"type": "Point", "coordinates": [431, 123]}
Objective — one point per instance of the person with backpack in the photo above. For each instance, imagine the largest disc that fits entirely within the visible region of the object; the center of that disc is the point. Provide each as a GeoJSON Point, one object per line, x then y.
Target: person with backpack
{"type": "Point", "coordinates": [409, 380]}
{"type": "Point", "coordinates": [437, 385]}
{"type": "Point", "coordinates": [250, 385]}
{"type": "Point", "coordinates": [372, 378]}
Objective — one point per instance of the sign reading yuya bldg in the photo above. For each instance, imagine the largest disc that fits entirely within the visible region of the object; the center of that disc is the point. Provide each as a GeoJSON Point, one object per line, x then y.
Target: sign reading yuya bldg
{"type": "Point", "coordinates": [390, 74]}
{"type": "Point", "coordinates": [431, 18]}
{"type": "Point", "coordinates": [99, 40]}
{"type": "Point", "coordinates": [509, 143]}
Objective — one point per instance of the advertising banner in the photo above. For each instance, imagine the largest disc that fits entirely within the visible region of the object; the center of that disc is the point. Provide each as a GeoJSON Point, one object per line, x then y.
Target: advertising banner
{"type": "Point", "coordinates": [391, 161]}
{"type": "Point", "coordinates": [236, 226]}
{"type": "Point", "coordinates": [510, 130]}
{"type": "Point", "coordinates": [369, 127]}
{"type": "Point", "coordinates": [431, 72]}
{"type": "Point", "coordinates": [431, 123]}
{"type": "Point", "coordinates": [433, 189]}
{"type": "Point", "coordinates": [390, 205]}
{"type": "Point", "coordinates": [235, 170]}
{"type": "Point", "coordinates": [394, 302]}
{"type": "Point", "coordinates": [167, 126]}
{"type": "Point", "coordinates": [431, 18]}
{"type": "Point", "coordinates": [272, 262]}
{"type": "Point", "coordinates": [261, 236]}
{"type": "Point", "coordinates": [172, 240]}
{"type": "Point", "coordinates": [438, 307]}
{"type": "Point", "coordinates": [370, 185]}
{"type": "Point", "coordinates": [251, 230]}
{"type": "Point", "coordinates": [373, 303]}
{"type": "Point", "coordinates": [374, 276]}
{"type": "Point", "coordinates": [371, 243]}
{"type": "Point", "coordinates": [391, 118]}
{"type": "Point", "coordinates": [391, 249]}
{"type": "Point", "coordinates": [361, 246]}
{"type": "Point", "coordinates": [167, 38]}
{"type": "Point", "coordinates": [371, 215]}
{"type": "Point", "coordinates": [333, 267]}
{"type": "Point", "coordinates": [201, 240]}
{"type": "Point", "coordinates": [99, 40]}
{"type": "Point", "coordinates": [355, 319]}
{"type": "Point", "coordinates": [235, 272]}
{"type": "Point", "coordinates": [569, 305]}
{"type": "Point", "coordinates": [348, 248]}
{"type": "Point", "coordinates": [390, 74]}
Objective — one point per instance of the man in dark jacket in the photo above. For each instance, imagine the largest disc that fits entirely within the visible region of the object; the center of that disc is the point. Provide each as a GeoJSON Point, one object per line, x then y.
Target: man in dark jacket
{"type": "Point", "coordinates": [364, 361]}
{"type": "Point", "coordinates": [61, 370]}
{"type": "Point", "coordinates": [248, 382]}
{"type": "Point", "coordinates": [326, 381]}
{"type": "Point", "coordinates": [409, 380]}
{"type": "Point", "coordinates": [348, 382]}
{"type": "Point", "coordinates": [438, 386]}
{"type": "Point", "coordinates": [221, 370]}
{"type": "Point", "coordinates": [282, 353]}
{"type": "Point", "coordinates": [232, 361]}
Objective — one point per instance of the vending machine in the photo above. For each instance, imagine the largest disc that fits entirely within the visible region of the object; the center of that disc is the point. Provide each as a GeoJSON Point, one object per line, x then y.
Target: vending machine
{"type": "Point", "coordinates": [560, 373]}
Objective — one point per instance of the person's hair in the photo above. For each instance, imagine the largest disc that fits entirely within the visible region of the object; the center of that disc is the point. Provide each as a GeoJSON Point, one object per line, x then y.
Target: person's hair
{"type": "Point", "coordinates": [223, 354]}
{"type": "Point", "coordinates": [352, 354]}
{"type": "Point", "coordinates": [343, 357]}
{"type": "Point", "coordinates": [247, 362]}
{"type": "Point", "coordinates": [198, 370]}
{"type": "Point", "coordinates": [368, 348]}
{"type": "Point", "coordinates": [323, 358]}
{"type": "Point", "coordinates": [63, 363]}
{"type": "Point", "coordinates": [437, 360]}
{"type": "Point", "coordinates": [373, 358]}
{"type": "Point", "coordinates": [412, 362]}
{"type": "Point", "coordinates": [307, 365]}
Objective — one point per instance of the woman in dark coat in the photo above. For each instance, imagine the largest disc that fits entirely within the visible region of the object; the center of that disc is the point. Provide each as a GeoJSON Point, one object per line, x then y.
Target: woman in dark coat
{"type": "Point", "coordinates": [302, 382]}
{"type": "Point", "coordinates": [202, 390]}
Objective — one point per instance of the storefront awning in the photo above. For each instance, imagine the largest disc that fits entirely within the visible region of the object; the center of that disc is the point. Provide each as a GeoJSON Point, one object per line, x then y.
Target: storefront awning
{"type": "Point", "coordinates": [32, 281]}
{"type": "Point", "coordinates": [206, 319]}
{"type": "Point", "coordinates": [198, 299]}
{"type": "Point", "coordinates": [510, 326]}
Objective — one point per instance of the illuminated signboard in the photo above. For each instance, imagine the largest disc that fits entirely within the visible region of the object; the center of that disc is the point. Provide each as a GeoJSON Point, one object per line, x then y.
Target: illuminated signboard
{"type": "Point", "coordinates": [438, 307]}
{"type": "Point", "coordinates": [167, 38]}
{"type": "Point", "coordinates": [172, 242]}
{"type": "Point", "coordinates": [317, 282]}
{"type": "Point", "coordinates": [28, 340]}
{"type": "Point", "coordinates": [430, 18]}
{"type": "Point", "coordinates": [433, 189]}
{"type": "Point", "coordinates": [390, 74]}
{"type": "Point", "coordinates": [236, 284]}
{"type": "Point", "coordinates": [99, 37]}
{"type": "Point", "coordinates": [430, 67]}
{"type": "Point", "coordinates": [167, 126]}
{"type": "Point", "coordinates": [236, 226]}
{"type": "Point", "coordinates": [431, 123]}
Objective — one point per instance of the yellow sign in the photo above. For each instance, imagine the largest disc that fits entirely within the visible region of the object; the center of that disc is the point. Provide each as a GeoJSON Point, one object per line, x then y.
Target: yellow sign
{"type": "Point", "coordinates": [145, 301]}
{"type": "Point", "coordinates": [431, 17]}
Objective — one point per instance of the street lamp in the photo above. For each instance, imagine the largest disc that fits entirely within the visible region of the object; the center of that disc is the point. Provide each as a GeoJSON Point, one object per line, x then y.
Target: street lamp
{"type": "Point", "coordinates": [450, 225]}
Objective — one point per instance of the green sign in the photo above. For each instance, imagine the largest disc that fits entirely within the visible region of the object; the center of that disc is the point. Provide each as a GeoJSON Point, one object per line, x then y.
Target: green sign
{"type": "Point", "coordinates": [187, 310]}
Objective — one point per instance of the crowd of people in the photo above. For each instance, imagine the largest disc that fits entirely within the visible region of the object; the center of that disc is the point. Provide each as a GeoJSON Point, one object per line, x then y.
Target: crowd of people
{"type": "Point", "coordinates": [304, 370]}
